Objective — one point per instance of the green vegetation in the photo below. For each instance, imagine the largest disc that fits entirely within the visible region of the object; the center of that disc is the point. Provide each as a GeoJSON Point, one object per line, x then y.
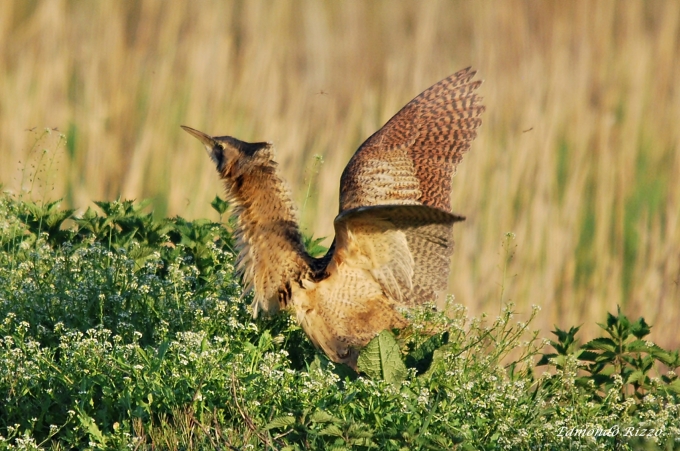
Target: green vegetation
{"type": "Point", "coordinates": [121, 331]}
{"type": "Point", "coordinates": [578, 153]}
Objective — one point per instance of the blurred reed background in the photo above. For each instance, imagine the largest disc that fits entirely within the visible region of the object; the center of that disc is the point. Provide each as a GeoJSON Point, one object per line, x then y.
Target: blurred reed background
{"type": "Point", "coordinates": [579, 153]}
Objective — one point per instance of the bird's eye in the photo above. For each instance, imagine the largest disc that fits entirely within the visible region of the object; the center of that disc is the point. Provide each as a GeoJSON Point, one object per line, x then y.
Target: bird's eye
{"type": "Point", "coordinates": [217, 155]}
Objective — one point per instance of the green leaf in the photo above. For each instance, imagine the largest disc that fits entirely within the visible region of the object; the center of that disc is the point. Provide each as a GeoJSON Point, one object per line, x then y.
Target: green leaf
{"type": "Point", "coordinates": [280, 422]}
{"type": "Point", "coordinates": [601, 344]}
{"type": "Point", "coordinates": [265, 342]}
{"type": "Point", "coordinates": [640, 328]}
{"type": "Point", "coordinates": [636, 376]}
{"type": "Point", "coordinates": [317, 364]}
{"type": "Point", "coordinates": [437, 361]}
{"type": "Point", "coordinates": [90, 426]}
{"type": "Point", "coordinates": [675, 386]}
{"type": "Point", "coordinates": [589, 356]}
{"type": "Point", "coordinates": [331, 430]}
{"type": "Point", "coordinates": [672, 359]}
{"type": "Point", "coordinates": [321, 416]}
{"type": "Point", "coordinates": [320, 363]}
{"type": "Point", "coordinates": [560, 361]}
{"type": "Point", "coordinates": [545, 359]}
{"type": "Point", "coordinates": [381, 359]}
{"type": "Point", "coordinates": [637, 346]}
{"type": "Point", "coordinates": [219, 205]}
{"type": "Point", "coordinates": [160, 355]}
{"type": "Point", "coordinates": [566, 337]}
{"type": "Point", "coordinates": [313, 245]}
{"type": "Point", "coordinates": [646, 364]}
{"type": "Point", "coordinates": [421, 358]}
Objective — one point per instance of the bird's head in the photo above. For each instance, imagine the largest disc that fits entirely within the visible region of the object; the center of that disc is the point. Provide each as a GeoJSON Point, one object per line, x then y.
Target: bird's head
{"type": "Point", "coordinates": [232, 156]}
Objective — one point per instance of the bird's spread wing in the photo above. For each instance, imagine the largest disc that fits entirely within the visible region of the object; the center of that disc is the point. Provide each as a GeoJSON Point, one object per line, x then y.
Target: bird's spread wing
{"type": "Point", "coordinates": [411, 159]}
{"type": "Point", "coordinates": [395, 208]}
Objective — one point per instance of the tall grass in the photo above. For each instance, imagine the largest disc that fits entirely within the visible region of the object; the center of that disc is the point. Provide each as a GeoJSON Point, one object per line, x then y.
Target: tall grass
{"type": "Point", "coordinates": [577, 157]}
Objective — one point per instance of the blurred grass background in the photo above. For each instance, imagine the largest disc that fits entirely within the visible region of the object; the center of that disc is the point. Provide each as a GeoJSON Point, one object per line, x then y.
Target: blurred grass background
{"type": "Point", "coordinates": [579, 153]}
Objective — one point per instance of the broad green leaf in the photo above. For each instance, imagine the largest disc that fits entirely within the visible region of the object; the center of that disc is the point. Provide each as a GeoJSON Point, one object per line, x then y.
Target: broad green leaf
{"type": "Point", "coordinates": [669, 358]}
{"type": "Point", "coordinates": [637, 346]}
{"type": "Point", "coordinates": [321, 416]}
{"type": "Point", "coordinates": [219, 205]}
{"type": "Point", "coordinates": [381, 359]}
{"type": "Point", "coordinates": [636, 376]}
{"type": "Point", "coordinates": [331, 430]}
{"type": "Point", "coordinates": [359, 430]}
{"type": "Point", "coordinates": [640, 328]}
{"type": "Point", "coordinates": [589, 356]}
{"type": "Point", "coordinates": [606, 357]}
{"type": "Point", "coordinates": [675, 386]}
{"type": "Point", "coordinates": [280, 422]}
{"type": "Point", "coordinates": [601, 344]}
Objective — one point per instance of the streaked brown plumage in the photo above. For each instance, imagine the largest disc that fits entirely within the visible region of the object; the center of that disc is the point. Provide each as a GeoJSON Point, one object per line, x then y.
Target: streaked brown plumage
{"type": "Point", "coordinates": [393, 236]}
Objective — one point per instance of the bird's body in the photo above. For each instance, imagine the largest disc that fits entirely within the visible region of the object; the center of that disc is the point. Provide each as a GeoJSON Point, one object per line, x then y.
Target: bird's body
{"type": "Point", "coordinates": [393, 239]}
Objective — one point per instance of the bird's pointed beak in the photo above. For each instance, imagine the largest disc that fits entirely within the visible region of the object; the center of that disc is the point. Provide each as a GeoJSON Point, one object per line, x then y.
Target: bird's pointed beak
{"type": "Point", "coordinates": [207, 140]}
{"type": "Point", "coordinates": [212, 146]}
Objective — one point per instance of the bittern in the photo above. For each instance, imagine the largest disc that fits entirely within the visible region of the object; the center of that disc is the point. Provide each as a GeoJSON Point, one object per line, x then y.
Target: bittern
{"type": "Point", "coordinates": [393, 235]}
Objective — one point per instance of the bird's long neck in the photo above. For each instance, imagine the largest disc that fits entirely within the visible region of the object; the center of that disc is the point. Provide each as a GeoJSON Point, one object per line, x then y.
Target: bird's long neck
{"type": "Point", "coordinates": [272, 254]}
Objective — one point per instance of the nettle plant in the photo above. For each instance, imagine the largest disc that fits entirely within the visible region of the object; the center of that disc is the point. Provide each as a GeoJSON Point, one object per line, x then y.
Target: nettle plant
{"type": "Point", "coordinates": [621, 360]}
